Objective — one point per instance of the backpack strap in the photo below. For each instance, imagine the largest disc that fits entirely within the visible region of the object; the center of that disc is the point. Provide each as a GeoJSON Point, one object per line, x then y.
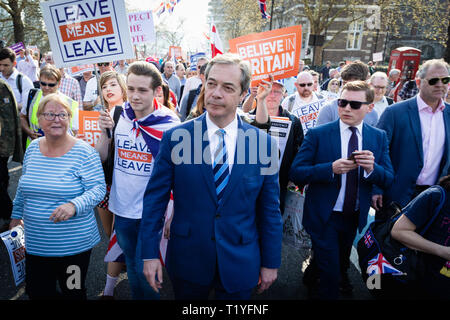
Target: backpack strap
{"type": "Point", "coordinates": [31, 95]}
{"type": "Point", "coordinates": [116, 116]}
{"type": "Point", "coordinates": [19, 82]}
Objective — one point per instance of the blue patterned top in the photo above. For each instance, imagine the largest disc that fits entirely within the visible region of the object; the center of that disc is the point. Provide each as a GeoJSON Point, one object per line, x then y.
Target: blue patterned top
{"type": "Point", "coordinates": [47, 183]}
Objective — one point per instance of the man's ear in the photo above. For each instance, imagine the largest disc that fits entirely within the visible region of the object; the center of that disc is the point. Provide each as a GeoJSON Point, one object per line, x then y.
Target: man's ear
{"type": "Point", "coordinates": [370, 107]}
{"type": "Point", "coordinates": [158, 90]}
{"type": "Point", "coordinates": [418, 82]}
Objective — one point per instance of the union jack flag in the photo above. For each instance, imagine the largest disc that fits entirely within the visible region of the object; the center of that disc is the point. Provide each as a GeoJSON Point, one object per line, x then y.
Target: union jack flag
{"type": "Point", "coordinates": [153, 126]}
{"type": "Point", "coordinates": [379, 265]}
{"type": "Point", "coordinates": [263, 8]}
{"type": "Point", "coordinates": [368, 239]}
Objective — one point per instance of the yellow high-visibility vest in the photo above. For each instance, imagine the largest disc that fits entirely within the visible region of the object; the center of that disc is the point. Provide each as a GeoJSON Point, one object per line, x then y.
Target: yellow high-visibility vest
{"type": "Point", "coordinates": [33, 119]}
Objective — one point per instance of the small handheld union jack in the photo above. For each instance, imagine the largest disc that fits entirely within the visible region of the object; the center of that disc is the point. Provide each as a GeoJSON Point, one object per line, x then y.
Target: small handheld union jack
{"type": "Point", "coordinates": [379, 265]}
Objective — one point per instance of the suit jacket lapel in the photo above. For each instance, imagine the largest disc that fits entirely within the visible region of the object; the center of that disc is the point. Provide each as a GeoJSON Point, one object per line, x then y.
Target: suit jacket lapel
{"type": "Point", "coordinates": [445, 158]}
{"type": "Point", "coordinates": [206, 168]}
{"type": "Point", "coordinates": [367, 144]}
{"type": "Point", "coordinates": [335, 141]}
{"type": "Point", "coordinates": [415, 125]}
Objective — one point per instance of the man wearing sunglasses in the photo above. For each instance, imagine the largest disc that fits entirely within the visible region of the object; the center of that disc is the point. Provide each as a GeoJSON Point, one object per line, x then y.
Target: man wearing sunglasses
{"type": "Point", "coordinates": [418, 130]}
{"type": "Point", "coordinates": [340, 182]}
{"type": "Point", "coordinates": [305, 93]}
{"type": "Point", "coordinates": [355, 71]}
{"type": "Point", "coordinates": [91, 97]}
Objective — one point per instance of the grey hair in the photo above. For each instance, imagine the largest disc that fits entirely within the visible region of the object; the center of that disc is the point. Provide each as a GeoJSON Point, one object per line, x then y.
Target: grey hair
{"type": "Point", "coordinates": [230, 58]}
{"type": "Point", "coordinates": [394, 72]}
{"type": "Point", "coordinates": [434, 62]}
{"type": "Point", "coordinates": [378, 74]}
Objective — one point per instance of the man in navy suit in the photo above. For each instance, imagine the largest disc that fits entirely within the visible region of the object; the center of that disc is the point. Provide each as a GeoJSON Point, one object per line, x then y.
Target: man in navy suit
{"type": "Point", "coordinates": [418, 130]}
{"type": "Point", "coordinates": [340, 181]}
{"type": "Point", "coordinates": [226, 231]}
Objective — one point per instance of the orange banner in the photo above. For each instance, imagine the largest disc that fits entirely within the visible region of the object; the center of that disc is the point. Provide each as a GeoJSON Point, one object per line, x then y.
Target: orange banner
{"type": "Point", "coordinates": [88, 125]}
{"type": "Point", "coordinates": [275, 52]}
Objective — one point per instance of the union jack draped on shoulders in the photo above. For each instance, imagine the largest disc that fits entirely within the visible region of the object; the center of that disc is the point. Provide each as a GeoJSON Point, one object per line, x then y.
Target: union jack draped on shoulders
{"type": "Point", "coordinates": [152, 126]}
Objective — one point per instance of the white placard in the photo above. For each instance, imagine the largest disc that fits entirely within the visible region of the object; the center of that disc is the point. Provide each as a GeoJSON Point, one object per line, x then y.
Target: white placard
{"type": "Point", "coordinates": [377, 56]}
{"type": "Point", "coordinates": [142, 27]}
{"type": "Point", "coordinates": [279, 130]}
{"type": "Point", "coordinates": [14, 241]}
{"type": "Point", "coordinates": [87, 31]}
{"type": "Point", "coordinates": [308, 114]}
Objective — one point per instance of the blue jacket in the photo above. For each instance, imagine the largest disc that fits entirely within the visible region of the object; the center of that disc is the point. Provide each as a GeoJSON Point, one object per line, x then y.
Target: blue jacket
{"type": "Point", "coordinates": [401, 122]}
{"type": "Point", "coordinates": [313, 166]}
{"type": "Point", "coordinates": [241, 235]}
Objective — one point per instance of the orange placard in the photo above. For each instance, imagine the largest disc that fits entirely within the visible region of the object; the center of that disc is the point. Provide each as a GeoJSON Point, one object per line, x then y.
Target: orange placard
{"type": "Point", "coordinates": [175, 51]}
{"type": "Point", "coordinates": [88, 125]}
{"type": "Point", "coordinates": [77, 70]}
{"type": "Point", "coordinates": [275, 52]}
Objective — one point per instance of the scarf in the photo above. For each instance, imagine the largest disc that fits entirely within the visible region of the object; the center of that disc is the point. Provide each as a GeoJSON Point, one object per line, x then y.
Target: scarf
{"type": "Point", "coordinates": [152, 127]}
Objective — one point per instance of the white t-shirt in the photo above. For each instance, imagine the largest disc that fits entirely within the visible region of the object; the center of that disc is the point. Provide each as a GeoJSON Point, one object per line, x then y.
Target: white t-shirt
{"type": "Point", "coordinates": [133, 165]}
{"type": "Point", "coordinates": [91, 92]}
{"type": "Point", "coordinates": [298, 102]}
{"type": "Point", "coordinates": [190, 84]}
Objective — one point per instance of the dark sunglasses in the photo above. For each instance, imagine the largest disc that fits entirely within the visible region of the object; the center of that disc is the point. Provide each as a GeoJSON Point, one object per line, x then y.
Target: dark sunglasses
{"type": "Point", "coordinates": [305, 84]}
{"type": "Point", "coordinates": [433, 81]}
{"type": "Point", "coordinates": [45, 84]}
{"type": "Point", "coordinates": [353, 104]}
{"type": "Point", "coordinates": [106, 64]}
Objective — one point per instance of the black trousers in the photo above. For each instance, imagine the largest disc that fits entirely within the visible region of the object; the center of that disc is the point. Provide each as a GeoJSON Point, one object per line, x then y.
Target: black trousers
{"type": "Point", "coordinates": [44, 273]}
{"type": "Point", "coordinates": [5, 200]}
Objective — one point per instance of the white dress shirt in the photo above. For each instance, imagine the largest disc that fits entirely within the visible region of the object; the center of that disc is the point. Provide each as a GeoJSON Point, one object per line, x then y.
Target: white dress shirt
{"type": "Point", "coordinates": [346, 133]}
{"type": "Point", "coordinates": [230, 139]}
{"type": "Point", "coordinates": [27, 84]}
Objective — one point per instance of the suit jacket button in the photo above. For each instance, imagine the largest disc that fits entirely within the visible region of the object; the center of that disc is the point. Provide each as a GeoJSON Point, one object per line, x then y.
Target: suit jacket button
{"type": "Point", "coordinates": [217, 216]}
{"type": "Point", "coordinates": [213, 238]}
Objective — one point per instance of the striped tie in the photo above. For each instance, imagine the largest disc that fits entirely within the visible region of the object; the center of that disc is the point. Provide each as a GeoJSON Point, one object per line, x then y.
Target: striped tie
{"type": "Point", "coordinates": [220, 165]}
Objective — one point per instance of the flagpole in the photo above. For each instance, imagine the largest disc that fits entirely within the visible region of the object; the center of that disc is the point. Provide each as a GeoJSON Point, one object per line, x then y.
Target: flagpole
{"type": "Point", "coordinates": [271, 15]}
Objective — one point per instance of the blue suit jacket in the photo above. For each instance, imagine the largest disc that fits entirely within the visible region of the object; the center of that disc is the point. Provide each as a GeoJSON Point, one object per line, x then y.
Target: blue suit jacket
{"type": "Point", "coordinates": [401, 122]}
{"type": "Point", "coordinates": [241, 235]}
{"type": "Point", "coordinates": [313, 166]}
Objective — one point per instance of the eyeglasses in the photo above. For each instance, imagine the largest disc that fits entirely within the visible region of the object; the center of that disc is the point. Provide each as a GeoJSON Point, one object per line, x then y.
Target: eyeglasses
{"type": "Point", "coordinates": [305, 84]}
{"type": "Point", "coordinates": [276, 92]}
{"type": "Point", "coordinates": [45, 84]}
{"type": "Point", "coordinates": [379, 87]}
{"type": "Point", "coordinates": [353, 104]}
{"type": "Point", "coordinates": [50, 116]}
{"type": "Point", "coordinates": [433, 81]}
{"type": "Point", "coordinates": [105, 64]}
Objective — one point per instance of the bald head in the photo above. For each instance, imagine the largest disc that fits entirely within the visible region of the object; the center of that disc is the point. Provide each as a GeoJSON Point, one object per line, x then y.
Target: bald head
{"type": "Point", "coordinates": [304, 84]}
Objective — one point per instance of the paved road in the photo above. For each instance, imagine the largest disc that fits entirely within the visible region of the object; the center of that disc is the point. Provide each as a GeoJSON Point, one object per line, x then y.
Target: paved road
{"type": "Point", "coordinates": [287, 287]}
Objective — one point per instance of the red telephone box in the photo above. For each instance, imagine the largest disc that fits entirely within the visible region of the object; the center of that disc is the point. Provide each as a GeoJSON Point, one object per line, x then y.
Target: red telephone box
{"type": "Point", "coordinates": [407, 60]}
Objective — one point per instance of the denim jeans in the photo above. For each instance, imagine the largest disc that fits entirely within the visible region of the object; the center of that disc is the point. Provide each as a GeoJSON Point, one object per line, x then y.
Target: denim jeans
{"type": "Point", "coordinates": [127, 232]}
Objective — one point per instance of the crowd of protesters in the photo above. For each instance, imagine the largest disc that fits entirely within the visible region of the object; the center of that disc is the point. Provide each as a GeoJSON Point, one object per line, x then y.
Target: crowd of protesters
{"type": "Point", "coordinates": [176, 162]}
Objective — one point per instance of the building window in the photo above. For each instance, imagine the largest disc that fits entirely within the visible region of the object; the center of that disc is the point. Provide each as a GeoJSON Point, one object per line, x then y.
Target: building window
{"type": "Point", "coordinates": [355, 34]}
